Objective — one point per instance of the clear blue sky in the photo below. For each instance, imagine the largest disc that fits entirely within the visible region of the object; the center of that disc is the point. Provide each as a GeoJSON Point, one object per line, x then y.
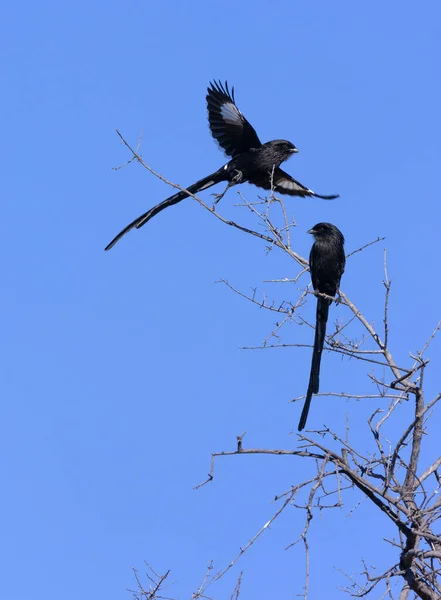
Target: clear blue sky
{"type": "Point", "coordinates": [122, 371]}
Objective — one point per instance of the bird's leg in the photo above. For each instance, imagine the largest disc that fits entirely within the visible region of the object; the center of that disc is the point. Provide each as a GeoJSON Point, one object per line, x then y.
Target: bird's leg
{"type": "Point", "coordinates": [237, 178]}
{"type": "Point", "coordinates": [220, 196]}
{"type": "Point", "coordinates": [338, 298]}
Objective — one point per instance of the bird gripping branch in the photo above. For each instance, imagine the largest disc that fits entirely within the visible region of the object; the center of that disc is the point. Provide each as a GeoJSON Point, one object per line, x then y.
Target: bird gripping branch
{"type": "Point", "coordinates": [327, 264]}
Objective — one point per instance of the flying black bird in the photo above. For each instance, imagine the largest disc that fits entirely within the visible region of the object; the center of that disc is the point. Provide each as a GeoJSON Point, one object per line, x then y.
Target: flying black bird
{"type": "Point", "coordinates": [327, 264]}
{"type": "Point", "coordinates": [250, 161]}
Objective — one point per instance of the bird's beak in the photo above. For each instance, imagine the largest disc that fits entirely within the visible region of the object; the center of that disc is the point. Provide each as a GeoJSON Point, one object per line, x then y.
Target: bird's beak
{"type": "Point", "coordinates": [294, 150]}
{"type": "Point", "coordinates": [311, 231]}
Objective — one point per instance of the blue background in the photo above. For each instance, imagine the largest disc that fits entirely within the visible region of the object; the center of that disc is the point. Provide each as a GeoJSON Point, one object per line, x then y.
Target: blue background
{"type": "Point", "coordinates": [122, 371]}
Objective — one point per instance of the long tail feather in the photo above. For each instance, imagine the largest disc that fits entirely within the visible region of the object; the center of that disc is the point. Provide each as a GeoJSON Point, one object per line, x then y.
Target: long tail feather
{"type": "Point", "coordinates": [319, 340]}
{"type": "Point", "coordinates": [200, 185]}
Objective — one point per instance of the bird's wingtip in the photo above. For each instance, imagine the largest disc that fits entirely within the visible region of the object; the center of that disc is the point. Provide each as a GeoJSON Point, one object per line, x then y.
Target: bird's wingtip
{"type": "Point", "coordinates": [217, 86]}
{"type": "Point", "coordinates": [328, 197]}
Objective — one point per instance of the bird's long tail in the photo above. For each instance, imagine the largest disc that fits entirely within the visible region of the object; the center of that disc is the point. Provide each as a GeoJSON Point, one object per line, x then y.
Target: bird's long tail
{"type": "Point", "coordinates": [319, 340]}
{"type": "Point", "coordinates": [200, 185]}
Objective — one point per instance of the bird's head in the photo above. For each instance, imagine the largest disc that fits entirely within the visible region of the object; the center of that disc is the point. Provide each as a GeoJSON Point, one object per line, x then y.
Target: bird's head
{"type": "Point", "coordinates": [283, 148]}
{"type": "Point", "coordinates": [326, 230]}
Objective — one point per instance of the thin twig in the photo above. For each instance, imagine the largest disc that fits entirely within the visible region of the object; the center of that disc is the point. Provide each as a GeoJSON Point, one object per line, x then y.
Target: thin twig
{"type": "Point", "coordinates": [379, 239]}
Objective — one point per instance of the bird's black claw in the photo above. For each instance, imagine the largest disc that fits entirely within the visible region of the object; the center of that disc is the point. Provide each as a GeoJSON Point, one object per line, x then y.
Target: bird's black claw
{"type": "Point", "coordinates": [217, 198]}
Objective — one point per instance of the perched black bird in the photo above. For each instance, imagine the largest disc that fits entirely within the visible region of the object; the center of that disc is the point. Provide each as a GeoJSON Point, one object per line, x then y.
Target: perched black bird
{"type": "Point", "coordinates": [327, 264]}
{"type": "Point", "coordinates": [250, 161]}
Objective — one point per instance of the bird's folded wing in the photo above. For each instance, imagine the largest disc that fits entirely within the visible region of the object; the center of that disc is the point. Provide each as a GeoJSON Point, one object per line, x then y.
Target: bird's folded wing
{"type": "Point", "coordinates": [227, 124]}
{"type": "Point", "coordinates": [280, 182]}
{"type": "Point", "coordinates": [313, 266]}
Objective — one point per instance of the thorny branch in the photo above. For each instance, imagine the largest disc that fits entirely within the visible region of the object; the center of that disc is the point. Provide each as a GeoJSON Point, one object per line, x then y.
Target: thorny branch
{"type": "Point", "coordinates": [389, 477]}
{"type": "Point", "coordinates": [156, 585]}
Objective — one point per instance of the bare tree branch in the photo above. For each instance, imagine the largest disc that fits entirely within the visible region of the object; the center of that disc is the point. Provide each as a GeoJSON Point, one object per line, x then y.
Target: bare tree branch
{"type": "Point", "coordinates": [387, 473]}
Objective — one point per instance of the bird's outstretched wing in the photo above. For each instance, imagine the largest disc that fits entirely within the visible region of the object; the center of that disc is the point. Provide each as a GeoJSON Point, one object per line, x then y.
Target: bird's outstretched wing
{"type": "Point", "coordinates": [285, 184]}
{"type": "Point", "coordinates": [228, 126]}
